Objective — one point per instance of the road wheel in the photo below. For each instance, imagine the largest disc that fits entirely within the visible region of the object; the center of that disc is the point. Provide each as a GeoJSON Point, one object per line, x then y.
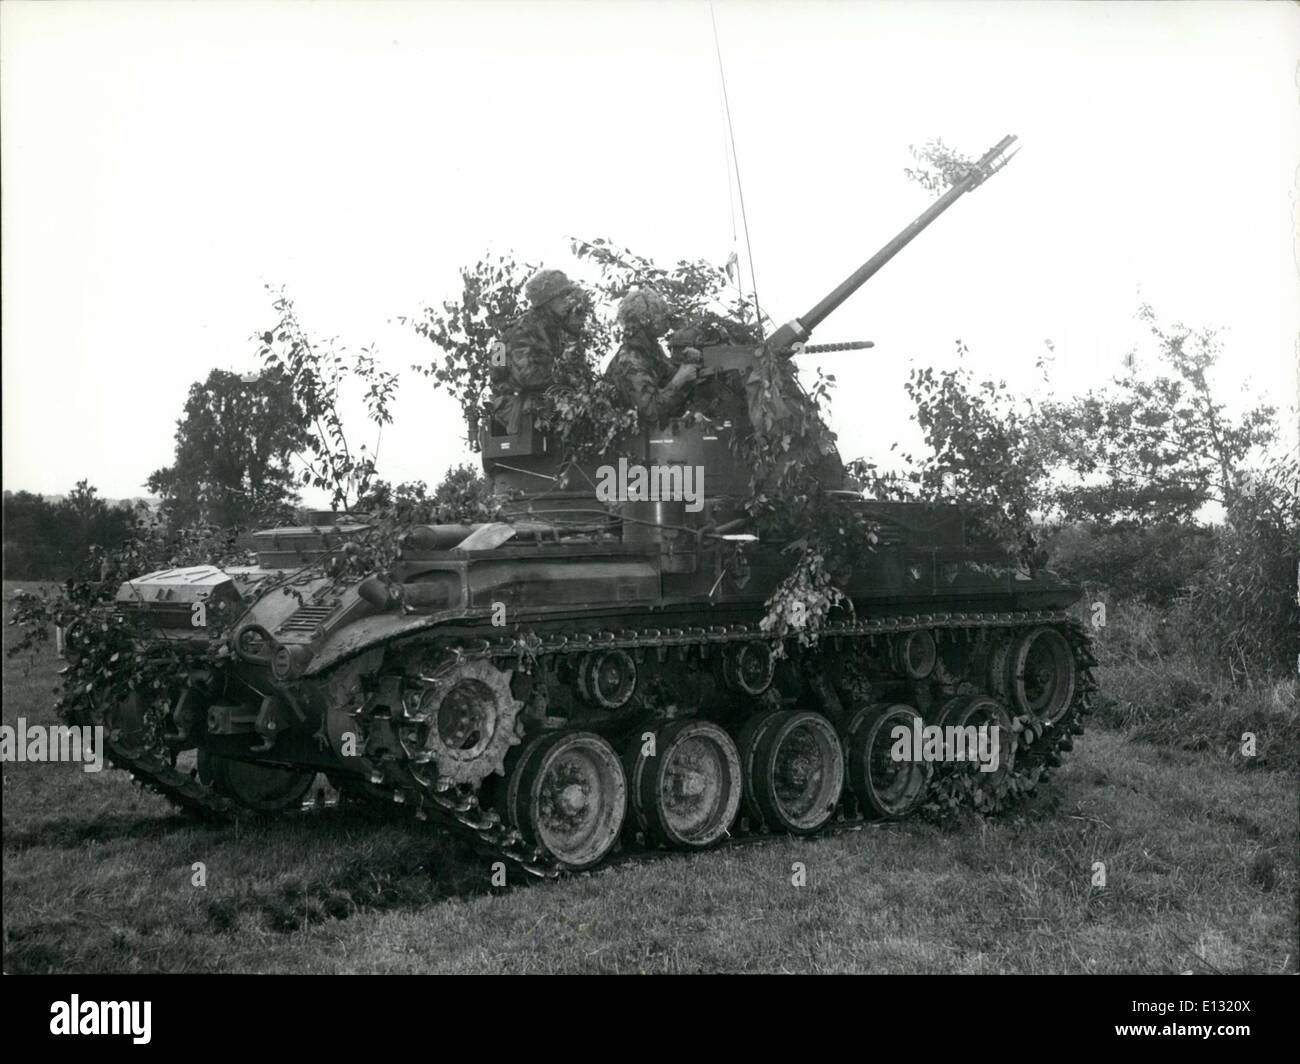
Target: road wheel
{"type": "Point", "coordinates": [980, 711]}
{"type": "Point", "coordinates": [799, 772]}
{"type": "Point", "coordinates": [688, 793]}
{"type": "Point", "coordinates": [747, 740]}
{"type": "Point", "coordinates": [1041, 675]}
{"type": "Point", "coordinates": [887, 788]}
{"type": "Point", "coordinates": [264, 788]}
{"type": "Point", "coordinates": [569, 796]}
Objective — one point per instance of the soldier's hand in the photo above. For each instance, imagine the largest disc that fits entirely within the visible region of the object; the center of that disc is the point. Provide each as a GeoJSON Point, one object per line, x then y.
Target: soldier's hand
{"type": "Point", "coordinates": [692, 356]}
{"type": "Point", "coordinates": [685, 375]}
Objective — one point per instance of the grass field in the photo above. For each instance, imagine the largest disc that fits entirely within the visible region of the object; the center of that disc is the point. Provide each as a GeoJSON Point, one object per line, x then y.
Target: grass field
{"type": "Point", "coordinates": [1199, 849]}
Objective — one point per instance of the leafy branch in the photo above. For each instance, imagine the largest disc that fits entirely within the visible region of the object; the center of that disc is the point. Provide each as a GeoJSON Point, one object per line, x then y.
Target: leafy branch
{"type": "Point", "coordinates": [317, 375]}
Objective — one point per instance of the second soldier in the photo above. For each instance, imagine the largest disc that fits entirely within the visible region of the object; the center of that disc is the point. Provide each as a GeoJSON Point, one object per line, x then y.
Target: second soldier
{"type": "Point", "coordinates": [643, 374]}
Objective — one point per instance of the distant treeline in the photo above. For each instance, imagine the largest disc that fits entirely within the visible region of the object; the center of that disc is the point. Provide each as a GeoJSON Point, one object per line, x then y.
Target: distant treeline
{"type": "Point", "coordinates": [48, 539]}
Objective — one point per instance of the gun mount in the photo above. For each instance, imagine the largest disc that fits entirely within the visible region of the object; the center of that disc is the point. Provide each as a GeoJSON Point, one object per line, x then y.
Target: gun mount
{"type": "Point", "coordinates": [528, 463]}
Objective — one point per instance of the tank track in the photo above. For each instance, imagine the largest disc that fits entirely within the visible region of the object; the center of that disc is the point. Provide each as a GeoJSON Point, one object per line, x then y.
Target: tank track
{"type": "Point", "coordinates": [155, 773]}
{"type": "Point", "coordinates": [458, 807]}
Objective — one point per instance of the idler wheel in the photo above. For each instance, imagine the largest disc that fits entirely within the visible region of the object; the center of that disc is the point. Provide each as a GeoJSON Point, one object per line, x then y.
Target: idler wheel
{"type": "Point", "coordinates": [1041, 676]}
{"type": "Point", "coordinates": [569, 796]}
{"type": "Point", "coordinates": [264, 788]}
{"type": "Point", "coordinates": [687, 794]}
{"type": "Point", "coordinates": [751, 733]}
{"type": "Point", "coordinates": [915, 654]}
{"type": "Point", "coordinates": [981, 711]}
{"type": "Point", "coordinates": [799, 772]}
{"type": "Point", "coordinates": [888, 789]}
{"type": "Point", "coordinates": [607, 678]}
{"type": "Point", "coordinates": [749, 668]}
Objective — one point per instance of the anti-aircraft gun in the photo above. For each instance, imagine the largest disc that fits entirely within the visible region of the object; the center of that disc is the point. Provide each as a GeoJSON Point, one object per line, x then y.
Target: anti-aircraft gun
{"type": "Point", "coordinates": [575, 674]}
{"type": "Point", "coordinates": [791, 336]}
{"type": "Point", "coordinates": [528, 463]}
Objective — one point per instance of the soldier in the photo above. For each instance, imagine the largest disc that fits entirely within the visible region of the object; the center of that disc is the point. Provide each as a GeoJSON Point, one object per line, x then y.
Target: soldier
{"type": "Point", "coordinates": [641, 372]}
{"type": "Point", "coordinates": [527, 357]}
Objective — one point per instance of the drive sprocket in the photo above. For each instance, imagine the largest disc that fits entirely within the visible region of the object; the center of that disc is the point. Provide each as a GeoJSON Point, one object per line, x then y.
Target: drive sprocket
{"type": "Point", "coordinates": [466, 721]}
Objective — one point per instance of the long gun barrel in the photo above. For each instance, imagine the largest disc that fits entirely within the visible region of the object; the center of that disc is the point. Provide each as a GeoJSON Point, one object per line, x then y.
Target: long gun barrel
{"type": "Point", "coordinates": [800, 328]}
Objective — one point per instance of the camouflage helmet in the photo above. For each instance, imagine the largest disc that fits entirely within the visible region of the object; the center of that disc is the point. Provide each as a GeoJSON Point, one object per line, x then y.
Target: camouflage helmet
{"type": "Point", "coordinates": [644, 307]}
{"type": "Point", "coordinates": [546, 285]}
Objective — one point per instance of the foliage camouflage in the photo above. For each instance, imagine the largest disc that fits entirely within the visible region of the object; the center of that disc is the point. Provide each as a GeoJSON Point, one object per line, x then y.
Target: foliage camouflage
{"type": "Point", "coordinates": [317, 375]}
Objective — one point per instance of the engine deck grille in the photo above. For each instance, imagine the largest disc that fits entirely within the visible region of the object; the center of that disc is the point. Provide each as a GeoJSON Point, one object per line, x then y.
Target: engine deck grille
{"type": "Point", "coordinates": [308, 618]}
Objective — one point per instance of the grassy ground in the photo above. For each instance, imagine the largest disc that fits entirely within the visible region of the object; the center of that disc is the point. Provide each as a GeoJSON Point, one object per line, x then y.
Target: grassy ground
{"type": "Point", "coordinates": [1198, 846]}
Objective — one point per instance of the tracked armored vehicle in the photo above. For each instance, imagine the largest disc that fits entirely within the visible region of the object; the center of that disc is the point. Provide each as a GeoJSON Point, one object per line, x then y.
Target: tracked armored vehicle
{"type": "Point", "coordinates": [579, 677]}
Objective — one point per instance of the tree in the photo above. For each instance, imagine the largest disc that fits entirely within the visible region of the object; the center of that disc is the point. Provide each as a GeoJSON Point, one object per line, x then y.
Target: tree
{"type": "Point", "coordinates": [33, 537]}
{"type": "Point", "coordinates": [987, 449]}
{"type": "Point", "coordinates": [233, 446]}
{"type": "Point", "coordinates": [463, 497]}
{"type": "Point", "coordinates": [46, 540]}
{"type": "Point", "coordinates": [1162, 443]}
{"type": "Point", "coordinates": [693, 290]}
{"type": "Point", "coordinates": [465, 330]}
{"type": "Point", "coordinates": [1150, 449]}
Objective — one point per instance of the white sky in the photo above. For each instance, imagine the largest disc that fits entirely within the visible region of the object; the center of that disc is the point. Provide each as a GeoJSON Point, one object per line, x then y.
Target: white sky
{"type": "Point", "coordinates": [163, 160]}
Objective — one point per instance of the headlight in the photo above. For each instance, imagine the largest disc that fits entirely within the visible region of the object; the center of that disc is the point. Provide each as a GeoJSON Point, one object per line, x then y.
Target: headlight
{"type": "Point", "coordinates": [289, 662]}
{"type": "Point", "coordinates": [282, 664]}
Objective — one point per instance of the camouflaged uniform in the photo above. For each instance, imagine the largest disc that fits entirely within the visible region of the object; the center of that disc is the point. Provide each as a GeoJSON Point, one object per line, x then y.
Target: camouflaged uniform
{"type": "Point", "coordinates": [643, 375]}
{"type": "Point", "coordinates": [523, 366]}
{"type": "Point", "coordinates": [525, 360]}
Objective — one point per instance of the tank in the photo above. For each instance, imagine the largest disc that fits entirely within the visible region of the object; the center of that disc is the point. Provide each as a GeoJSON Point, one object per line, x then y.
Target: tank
{"type": "Point", "coordinates": [583, 678]}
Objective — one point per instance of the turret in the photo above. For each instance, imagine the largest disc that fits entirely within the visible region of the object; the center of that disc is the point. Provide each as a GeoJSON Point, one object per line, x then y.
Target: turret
{"type": "Point", "coordinates": [528, 463]}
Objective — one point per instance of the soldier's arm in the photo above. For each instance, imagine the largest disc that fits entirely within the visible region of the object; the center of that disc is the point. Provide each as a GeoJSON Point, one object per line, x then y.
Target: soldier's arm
{"type": "Point", "coordinates": [671, 397]}
{"type": "Point", "coordinates": [654, 402]}
{"type": "Point", "coordinates": [529, 355]}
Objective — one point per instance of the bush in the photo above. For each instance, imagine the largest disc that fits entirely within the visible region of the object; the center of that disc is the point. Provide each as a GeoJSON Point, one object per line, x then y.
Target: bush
{"type": "Point", "coordinates": [1152, 564]}
{"type": "Point", "coordinates": [1138, 633]}
{"type": "Point", "coordinates": [1223, 596]}
{"type": "Point", "coordinates": [1244, 600]}
{"type": "Point", "coordinates": [1170, 703]}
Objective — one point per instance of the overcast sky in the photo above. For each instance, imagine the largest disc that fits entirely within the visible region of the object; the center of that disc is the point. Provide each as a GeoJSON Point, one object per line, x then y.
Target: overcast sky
{"type": "Point", "coordinates": [162, 161]}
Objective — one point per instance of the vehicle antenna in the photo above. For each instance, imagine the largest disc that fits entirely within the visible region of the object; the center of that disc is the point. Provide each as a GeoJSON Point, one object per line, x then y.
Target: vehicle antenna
{"type": "Point", "coordinates": [735, 161]}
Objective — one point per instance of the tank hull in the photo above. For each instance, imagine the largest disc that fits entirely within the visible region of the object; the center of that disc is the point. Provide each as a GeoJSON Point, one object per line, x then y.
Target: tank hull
{"type": "Point", "coordinates": [508, 656]}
